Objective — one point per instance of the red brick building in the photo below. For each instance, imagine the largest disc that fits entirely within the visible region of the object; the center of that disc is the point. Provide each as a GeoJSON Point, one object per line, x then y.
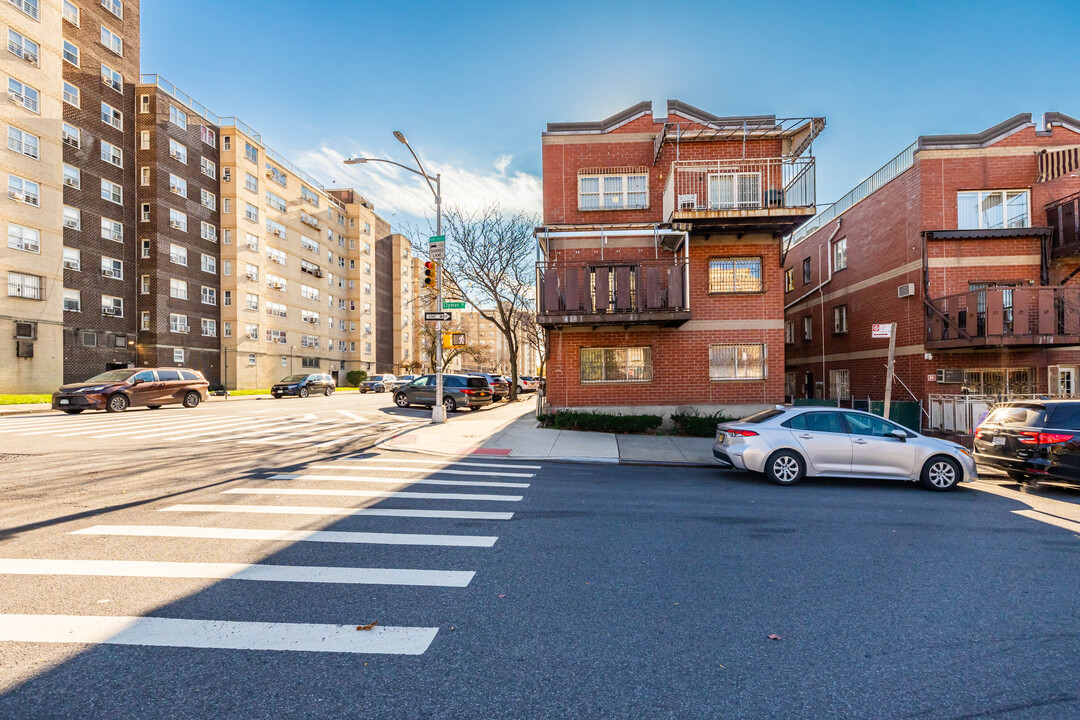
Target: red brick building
{"type": "Point", "coordinates": [969, 244]}
{"type": "Point", "coordinates": [659, 274]}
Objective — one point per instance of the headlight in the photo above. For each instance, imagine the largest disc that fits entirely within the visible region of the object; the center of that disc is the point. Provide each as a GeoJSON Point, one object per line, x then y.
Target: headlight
{"type": "Point", "coordinates": [94, 389]}
{"type": "Point", "coordinates": [965, 451]}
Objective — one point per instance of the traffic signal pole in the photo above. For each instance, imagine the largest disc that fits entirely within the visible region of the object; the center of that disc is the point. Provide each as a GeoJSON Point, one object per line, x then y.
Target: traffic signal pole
{"type": "Point", "coordinates": [438, 410]}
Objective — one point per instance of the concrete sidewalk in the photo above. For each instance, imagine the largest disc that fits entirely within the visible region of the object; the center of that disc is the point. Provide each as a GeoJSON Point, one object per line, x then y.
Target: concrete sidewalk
{"type": "Point", "coordinates": [511, 431]}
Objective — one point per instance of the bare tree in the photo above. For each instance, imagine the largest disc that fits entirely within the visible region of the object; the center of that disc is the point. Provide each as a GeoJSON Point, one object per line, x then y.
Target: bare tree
{"type": "Point", "coordinates": [427, 333]}
{"type": "Point", "coordinates": [536, 336]}
{"type": "Point", "coordinates": [490, 262]}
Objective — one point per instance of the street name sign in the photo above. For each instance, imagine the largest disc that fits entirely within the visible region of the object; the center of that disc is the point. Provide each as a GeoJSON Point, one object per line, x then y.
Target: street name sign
{"type": "Point", "coordinates": [453, 304]}
{"type": "Point", "coordinates": [437, 316]}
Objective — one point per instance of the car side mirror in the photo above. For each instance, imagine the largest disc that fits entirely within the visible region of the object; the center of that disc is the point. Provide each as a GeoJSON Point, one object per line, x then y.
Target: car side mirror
{"type": "Point", "coordinates": [899, 435]}
{"type": "Point", "coordinates": [137, 381]}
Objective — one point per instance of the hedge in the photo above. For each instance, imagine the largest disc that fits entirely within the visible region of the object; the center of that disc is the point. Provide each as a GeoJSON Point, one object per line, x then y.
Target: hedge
{"type": "Point", "coordinates": [355, 377]}
{"type": "Point", "coordinates": [698, 424]}
{"type": "Point", "coordinates": [601, 422]}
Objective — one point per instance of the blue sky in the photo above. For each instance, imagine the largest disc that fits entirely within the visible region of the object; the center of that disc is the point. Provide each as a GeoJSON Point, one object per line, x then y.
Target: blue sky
{"type": "Point", "coordinates": [473, 84]}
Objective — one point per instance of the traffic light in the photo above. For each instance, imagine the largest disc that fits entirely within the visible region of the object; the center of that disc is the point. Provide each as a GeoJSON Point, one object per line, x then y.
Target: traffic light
{"type": "Point", "coordinates": [431, 273]}
{"type": "Point", "coordinates": [452, 340]}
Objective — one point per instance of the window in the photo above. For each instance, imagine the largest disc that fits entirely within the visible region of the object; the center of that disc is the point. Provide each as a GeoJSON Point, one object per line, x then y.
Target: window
{"type": "Point", "coordinates": [145, 249]}
{"type": "Point", "coordinates": [72, 218]}
{"type": "Point", "coordinates": [251, 182]}
{"type": "Point", "coordinates": [226, 142]}
{"type": "Point", "coordinates": [112, 230]}
{"type": "Point", "coordinates": [276, 282]}
{"type": "Point", "coordinates": [144, 104]}
{"type": "Point", "coordinates": [144, 176]}
{"type": "Point", "coordinates": [113, 306]}
{"type": "Point", "coordinates": [208, 295]}
{"type": "Point", "coordinates": [789, 280]}
{"type": "Point", "coordinates": [226, 236]}
{"type": "Point", "coordinates": [178, 254]}
{"type": "Point", "coordinates": [626, 364]}
{"type": "Point", "coordinates": [276, 336]}
{"type": "Point", "coordinates": [789, 332]}
{"type": "Point", "coordinates": [276, 309]}
{"type": "Point", "coordinates": [735, 275]}
{"type": "Point", "coordinates": [209, 328]}
{"type": "Point", "coordinates": [72, 177]}
{"type": "Point", "coordinates": [89, 339]}
{"type": "Point", "coordinates": [71, 94]}
{"type": "Point", "coordinates": [116, 7]}
{"type": "Point", "coordinates": [252, 272]}
{"type": "Point", "coordinates": [309, 292]}
{"type": "Point", "coordinates": [71, 135]}
{"type": "Point", "coordinates": [252, 242]}
{"type": "Point", "coordinates": [251, 301]}
{"type": "Point", "coordinates": [275, 201]}
{"type": "Point", "coordinates": [113, 192]}
{"type": "Point", "coordinates": [737, 362]}
{"type": "Point", "coordinates": [144, 212]}
{"type": "Point", "coordinates": [828, 422]}
{"type": "Point", "coordinates": [729, 191]}
{"type": "Point", "coordinates": [178, 220]}
{"type": "Point", "coordinates": [226, 205]}
{"type": "Point", "coordinates": [276, 256]}
{"type": "Point", "coordinates": [207, 231]}
{"type": "Point", "coordinates": [276, 175]}
{"type": "Point", "coordinates": [24, 95]}
{"type": "Point", "coordinates": [806, 271]}
{"type": "Point", "coordinates": [27, 49]}
{"type": "Point", "coordinates": [309, 196]}
{"type": "Point", "coordinates": [251, 212]}
{"type": "Point", "coordinates": [112, 154]}
{"type": "Point", "coordinates": [251, 152]}
{"type": "Point", "coordinates": [112, 268]}
{"type": "Point", "coordinates": [144, 320]}
{"type": "Point", "coordinates": [112, 41]}
{"type": "Point", "coordinates": [144, 140]}
{"type": "Point", "coordinates": [178, 323]}
{"type": "Point", "coordinates": [839, 385]}
{"type": "Point", "coordinates": [28, 287]}
{"type": "Point", "coordinates": [993, 209]}
{"type": "Point", "coordinates": [112, 116]}
{"type": "Point", "coordinates": [275, 228]}
{"type": "Point", "coordinates": [226, 329]}
{"type": "Point", "coordinates": [613, 192]}
{"type": "Point", "coordinates": [808, 327]}
{"type": "Point", "coordinates": [208, 136]}
{"type": "Point", "coordinates": [839, 254]}
{"type": "Point", "coordinates": [208, 263]}
{"type": "Point", "coordinates": [178, 289]}
{"type": "Point", "coordinates": [72, 300]}
{"type": "Point", "coordinates": [209, 169]}
{"type": "Point", "coordinates": [71, 12]}
{"type": "Point", "coordinates": [226, 296]}
{"type": "Point", "coordinates": [23, 190]}
{"type": "Point", "coordinates": [208, 199]}
{"type": "Point", "coordinates": [308, 244]}
{"type": "Point", "coordinates": [839, 318]}
{"type": "Point", "coordinates": [177, 151]}
{"type": "Point", "coordinates": [144, 285]}
{"type": "Point", "coordinates": [112, 78]}
{"type": "Point", "coordinates": [178, 117]}
{"type": "Point", "coordinates": [71, 53]}
{"type": "Point", "coordinates": [72, 259]}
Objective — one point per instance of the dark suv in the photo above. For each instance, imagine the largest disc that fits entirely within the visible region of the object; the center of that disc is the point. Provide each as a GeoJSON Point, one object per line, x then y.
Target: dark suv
{"type": "Point", "coordinates": [1032, 439]}
{"type": "Point", "coordinates": [500, 389]}
{"type": "Point", "coordinates": [458, 391]}
{"type": "Point", "coordinates": [304, 385]}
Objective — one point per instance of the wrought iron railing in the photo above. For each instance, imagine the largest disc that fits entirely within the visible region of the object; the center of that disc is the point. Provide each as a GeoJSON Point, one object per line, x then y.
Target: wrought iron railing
{"type": "Point", "coordinates": [602, 287]}
{"type": "Point", "coordinates": [1002, 315]}
{"type": "Point", "coordinates": [739, 184]}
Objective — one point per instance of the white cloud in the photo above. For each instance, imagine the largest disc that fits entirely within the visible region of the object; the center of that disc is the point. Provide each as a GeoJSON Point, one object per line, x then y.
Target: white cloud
{"type": "Point", "coordinates": [403, 198]}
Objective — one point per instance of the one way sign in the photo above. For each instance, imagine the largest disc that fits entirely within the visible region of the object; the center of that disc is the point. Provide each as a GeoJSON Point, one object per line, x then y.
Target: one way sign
{"type": "Point", "coordinates": [437, 316]}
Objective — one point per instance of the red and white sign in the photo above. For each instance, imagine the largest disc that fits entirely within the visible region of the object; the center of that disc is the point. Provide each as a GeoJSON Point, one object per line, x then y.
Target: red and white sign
{"type": "Point", "coordinates": [881, 330]}
{"type": "Point", "coordinates": [931, 377]}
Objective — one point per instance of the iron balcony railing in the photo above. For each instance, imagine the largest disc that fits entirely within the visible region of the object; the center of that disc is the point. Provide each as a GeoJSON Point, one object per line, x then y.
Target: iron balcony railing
{"type": "Point", "coordinates": [1004, 316]}
{"type": "Point", "coordinates": [739, 184]}
{"type": "Point", "coordinates": [612, 286]}
{"type": "Point", "coordinates": [1063, 216]}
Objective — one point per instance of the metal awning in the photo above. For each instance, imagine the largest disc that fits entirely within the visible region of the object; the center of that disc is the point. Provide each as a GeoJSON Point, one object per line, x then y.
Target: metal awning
{"type": "Point", "coordinates": [1056, 162]}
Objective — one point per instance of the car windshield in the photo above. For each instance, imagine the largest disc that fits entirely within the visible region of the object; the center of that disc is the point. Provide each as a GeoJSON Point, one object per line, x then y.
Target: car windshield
{"type": "Point", "coordinates": [1066, 416]}
{"type": "Point", "coordinates": [111, 376]}
{"type": "Point", "coordinates": [294, 378]}
{"type": "Point", "coordinates": [477, 382]}
{"type": "Point", "coordinates": [1030, 416]}
{"type": "Point", "coordinates": [375, 378]}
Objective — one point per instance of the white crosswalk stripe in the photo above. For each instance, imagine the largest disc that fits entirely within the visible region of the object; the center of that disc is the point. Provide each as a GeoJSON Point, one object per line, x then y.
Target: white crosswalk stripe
{"type": "Point", "coordinates": [343, 511]}
{"type": "Point", "coordinates": [382, 494]}
{"type": "Point", "coordinates": [327, 536]}
{"type": "Point", "coordinates": [397, 481]}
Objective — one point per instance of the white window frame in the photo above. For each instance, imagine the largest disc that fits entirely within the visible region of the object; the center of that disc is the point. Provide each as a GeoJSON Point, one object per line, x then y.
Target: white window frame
{"type": "Point", "coordinates": [646, 364]}
{"type": "Point", "coordinates": [178, 289]}
{"type": "Point", "coordinates": [111, 116]}
{"type": "Point", "coordinates": [112, 41]}
{"type": "Point", "coordinates": [115, 192]}
{"type": "Point", "coordinates": [72, 177]}
{"type": "Point", "coordinates": [21, 237]}
{"type": "Point", "coordinates": [72, 259]}
{"type": "Point", "coordinates": [112, 230]}
{"type": "Point", "coordinates": [26, 95]}
{"type": "Point", "coordinates": [178, 254]}
{"type": "Point", "coordinates": [177, 117]}
{"type": "Point", "coordinates": [738, 362]}
{"type": "Point", "coordinates": [840, 384]}
{"type": "Point", "coordinates": [980, 197]}
{"type": "Point", "coordinates": [112, 154]}
{"type": "Point", "coordinates": [70, 295]}
{"type": "Point", "coordinates": [840, 254]}
{"type": "Point", "coordinates": [112, 78]}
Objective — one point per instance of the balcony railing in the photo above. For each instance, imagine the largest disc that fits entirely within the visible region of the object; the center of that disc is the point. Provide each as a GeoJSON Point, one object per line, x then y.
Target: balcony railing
{"type": "Point", "coordinates": [613, 292]}
{"type": "Point", "coordinates": [735, 186]}
{"type": "Point", "coordinates": [1001, 316]}
{"type": "Point", "coordinates": [1064, 216]}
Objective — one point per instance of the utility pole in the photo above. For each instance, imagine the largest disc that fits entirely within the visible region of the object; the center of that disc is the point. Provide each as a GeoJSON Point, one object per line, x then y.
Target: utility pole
{"type": "Point", "coordinates": [889, 367]}
{"type": "Point", "coordinates": [438, 411]}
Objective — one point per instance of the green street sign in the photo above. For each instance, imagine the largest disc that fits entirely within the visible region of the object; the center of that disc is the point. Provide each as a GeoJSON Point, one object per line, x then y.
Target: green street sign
{"type": "Point", "coordinates": [452, 305]}
{"type": "Point", "coordinates": [437, 239]}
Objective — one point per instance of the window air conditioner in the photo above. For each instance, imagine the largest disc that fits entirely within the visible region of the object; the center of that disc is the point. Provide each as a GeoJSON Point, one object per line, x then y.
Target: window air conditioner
{"type": "Point", "coordinates": [904, 291]}
{"type": "Point", "coordinates": [950, 376]}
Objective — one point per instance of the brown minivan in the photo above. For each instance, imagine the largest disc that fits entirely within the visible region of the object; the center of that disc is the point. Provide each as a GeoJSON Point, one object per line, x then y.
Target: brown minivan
{"type": "Point", "coordinates": [117, 390]}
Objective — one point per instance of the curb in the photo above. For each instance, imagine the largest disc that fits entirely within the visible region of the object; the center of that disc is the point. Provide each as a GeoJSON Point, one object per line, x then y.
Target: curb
{"type": "Point", "coordinates": [384, 445]}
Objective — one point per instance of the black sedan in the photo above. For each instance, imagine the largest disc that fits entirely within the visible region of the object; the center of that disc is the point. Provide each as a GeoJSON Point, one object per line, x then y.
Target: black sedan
{"type": "Point", "coordinates": [304, 385]}
{"type": "Point", "coordinates": [1032, 440]}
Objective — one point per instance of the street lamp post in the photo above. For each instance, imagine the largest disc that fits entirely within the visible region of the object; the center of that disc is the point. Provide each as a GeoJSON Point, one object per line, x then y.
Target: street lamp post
{"type": "Point", "coordinates": [438, 411]}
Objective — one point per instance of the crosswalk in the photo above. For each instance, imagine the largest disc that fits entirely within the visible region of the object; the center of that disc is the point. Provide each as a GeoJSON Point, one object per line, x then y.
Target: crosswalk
{"type": "Point", "coordinates": [315, 429]}
{"type": "Point", "coordinates": [213, 534]}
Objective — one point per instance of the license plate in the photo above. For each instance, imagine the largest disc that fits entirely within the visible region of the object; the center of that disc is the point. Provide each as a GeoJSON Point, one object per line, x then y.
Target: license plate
{"type": "Point", "coordinates": [999, 440]}
{"type": "Point", "coordinates": [64, 402]}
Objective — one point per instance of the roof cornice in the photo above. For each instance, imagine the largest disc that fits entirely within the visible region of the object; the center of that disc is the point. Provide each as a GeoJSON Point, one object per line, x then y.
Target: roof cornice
{"type": "Point", "coordinates": [706, 118]}
{"type": "Point", "coordinates": [597, 127]}
{"type": "Point", "coordinates": [976, 140]}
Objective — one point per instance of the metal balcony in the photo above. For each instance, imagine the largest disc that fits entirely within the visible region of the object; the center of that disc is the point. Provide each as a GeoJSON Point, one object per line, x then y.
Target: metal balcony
{"type": "Point", "coordinates": [1004, 317]}
{"type": "Point", "coordinates": [1064, 217]}
{"type": "Point", "coordinates": [649, 292]}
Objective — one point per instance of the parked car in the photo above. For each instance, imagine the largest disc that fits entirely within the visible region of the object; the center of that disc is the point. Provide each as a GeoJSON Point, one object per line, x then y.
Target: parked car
{"type": "Point", "coordinates": [404, 380]}
{"type": "Point", "coordinates": [378, 383]}
{"type": "Point", "coordinates": [117, 390]}
{"type": "Point", "coordinates": [304, 385]}
{"type": "Point", "coordinates": [1032, 440]}
{"type": "Point", "coordinates": [790, 443]}
{"type": "Point", "coordinates": [500, 389]}
{"type": "Point", "coordinates": [471, 391]}
{"type": "Point", "coordinates": [527, 383]}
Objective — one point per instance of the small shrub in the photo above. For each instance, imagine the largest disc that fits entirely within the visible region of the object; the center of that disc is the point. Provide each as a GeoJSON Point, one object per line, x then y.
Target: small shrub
{"type": "Point", "coordinates": [601, 422]}
{"type": "Point", "coordinates": [696, 423]}
{"type": "Point", "coordinates": [353, 378]}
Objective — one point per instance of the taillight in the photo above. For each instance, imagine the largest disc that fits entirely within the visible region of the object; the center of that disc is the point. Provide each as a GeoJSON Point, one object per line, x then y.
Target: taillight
{"type": "Point", "coordinates": [1029, 437]}
{"type": "Point", "coordinates": [741, 433]}
{"type": "Point", "coordinates": [979, 432]}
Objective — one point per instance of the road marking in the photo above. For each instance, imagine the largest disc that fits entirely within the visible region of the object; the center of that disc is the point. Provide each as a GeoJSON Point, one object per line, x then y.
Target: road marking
{"type": "Point", "coordinates": [270, 426]}
{"type": "Point", "coordinates": [308, 428]}
{"type": "Point", "coordinates": [414, 461]}
{"type": "Point", "coordinates": [354, 416]}
{"type": "Point", "coordinates": [336, 441]}
{"type": "Point", "coordinates": [238, 571]}
{"type": "Point", "coordinates": [485, 473]}
{"type": "Point", "coordinates": [117, 424]}
{"type": "Point", "coordinates": [1049, 519]}
{"type": "Point", "coordinates": [181, 429]}
{"type": "Point", "coordinates": [215, 429]}
{"type": "Point", "coordinates": [395, 481]}
{"type": "Point", "coordinates": [348, 511]}
{"type": "Point", "coordinates": [372, 494]}
{"type": "Point", "coordinates": [216, 634]}
{"type": "Point", "coordinates": [318, 433]}
{"type": "Point", "coordinates": [324, 536]}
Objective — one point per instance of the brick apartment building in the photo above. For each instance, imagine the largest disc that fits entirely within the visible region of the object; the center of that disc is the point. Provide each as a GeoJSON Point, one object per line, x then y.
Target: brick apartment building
{"type": "Point", "coordinates": [969, 244]}
{"type": "Point", "coordinates": [659, 277]}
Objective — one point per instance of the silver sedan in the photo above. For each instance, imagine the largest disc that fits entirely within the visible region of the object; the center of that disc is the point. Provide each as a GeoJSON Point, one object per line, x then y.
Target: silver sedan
{"type": "Point", "coordinates": [787, 444]}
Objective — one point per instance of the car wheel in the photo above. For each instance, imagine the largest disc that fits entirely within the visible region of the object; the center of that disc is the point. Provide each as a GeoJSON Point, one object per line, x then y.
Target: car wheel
{"type": "Point", "coordinates": [302, 392]}
{"type": "Point", "coordinates": [154, 407]}
{"type": "Point", "coordinates": [276, 396]}
{"type": "Point", "coordinates": [450, 404]}
{"type": "Point", "coordinates": [327, 391]}
{"type": "Point", "coordinates": [1019, 476]}
{"type": "Point", "coordinates": [940, 473]}
{"type": "Point", "coordinates": [401, 400]}
{"type": "Point", "coordinates": [785, 467]}
{"type": "Point", "coordinates": [117, 403]}
{"type": "Point", "coordinates": [73, 412]}
{"type": "Point", "coordinates": [192, 399]}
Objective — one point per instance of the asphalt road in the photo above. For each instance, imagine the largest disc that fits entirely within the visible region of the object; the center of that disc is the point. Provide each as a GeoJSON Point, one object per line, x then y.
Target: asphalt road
{"type": "Point", "coordinates": [611, 592]}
